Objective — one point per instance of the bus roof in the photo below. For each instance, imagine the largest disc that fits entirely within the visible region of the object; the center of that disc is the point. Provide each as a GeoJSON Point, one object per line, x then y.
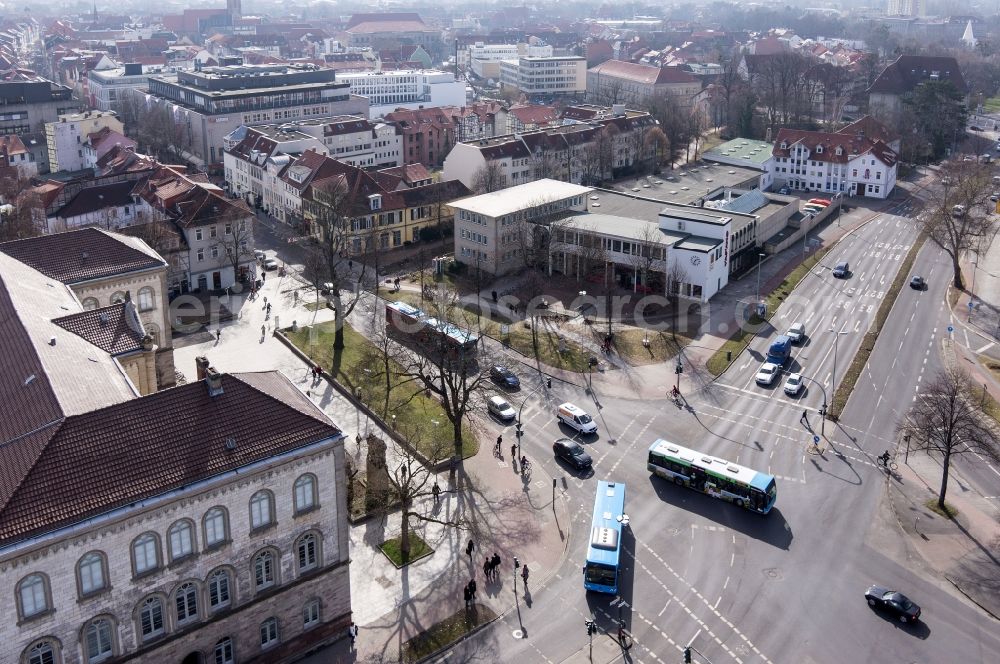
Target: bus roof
{"type": "Point", "coordinates": [713, 465]}
{"type": "Point", "coordinates": [605, 532]}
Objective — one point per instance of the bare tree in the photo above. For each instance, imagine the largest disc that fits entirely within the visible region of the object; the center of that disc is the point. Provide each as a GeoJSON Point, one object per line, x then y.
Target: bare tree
{"type": "Point", "coordinates": [650, 258]}
{"type": "Point", "coordinates": [947, 420]}
{"type": "Point", "coordinates": [23, 218]}
{"type": "Point", "coordinates": [237, 237]}
{"type": "Point", "coordinates": [489, 177]}
{"type": "Point", "coordinates": [656, 145]}
{"type": "Point", "coordinates": [958, 221]}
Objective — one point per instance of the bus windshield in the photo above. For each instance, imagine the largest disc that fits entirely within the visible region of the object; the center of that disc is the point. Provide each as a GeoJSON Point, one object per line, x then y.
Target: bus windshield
{"type": "Point", "coordinates": [601, 575]}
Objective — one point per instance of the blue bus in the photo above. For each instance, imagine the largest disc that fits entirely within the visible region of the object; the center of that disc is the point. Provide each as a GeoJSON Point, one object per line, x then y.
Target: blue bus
{"type": "Point", "coordinates": [600, 574]}
{"type": "Point", "coordinates": [742, 486]}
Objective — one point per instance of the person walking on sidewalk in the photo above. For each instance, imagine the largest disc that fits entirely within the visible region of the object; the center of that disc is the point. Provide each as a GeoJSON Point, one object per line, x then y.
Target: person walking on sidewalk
{"type": "Point", "coordinates": [495, 563]}
{"type": "Point", "coordinates": [524, 576]}
{"type": "Point", "coordinates": [218, 335]}
{"type": "Point", "coordinates": [472, 588]}
{"type": "Point", "coordinates": [513, 453]}
{"type": "Point", "coordinates": [467, 594]}
{"type": "Point", "coordinates": [436, 490]}
{"type": "Point", "coordinates": [263, 332]}
{"type": "Point", "coordinates": [496, 448]}
{"type": "Point", "coordinates": [352, 631]}
{"type": "Point", "coordinates": [469, 549]}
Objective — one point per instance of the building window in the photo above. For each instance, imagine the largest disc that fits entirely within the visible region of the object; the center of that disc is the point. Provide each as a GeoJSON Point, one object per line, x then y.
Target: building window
{"type": "Point", "coordinates": [90, 303]}
{"type": "Point", "coordinates": [98, 640]}
{"type": "Point", "coordinates": [218, 590]}
{"type": "Point", "coordinates": [145, 554]}
{"type": "Point", "coordinates": [198, 234]}
{"type": "Point", "coordinates": [215, 252]}
{"type": "Point", "coordinates": [263, 570]}
{"type": "Point", "coordinates": [268, 633]}
{"type": "Point", "coordinates": [213, 232]}
{"type": "Point", "coordinates": [151, 618]}
{"type": "Point", "coordinates": [224, 651]}
{"type": "Point", "coordinates": [90, 573]}
{"type": "Point", "coordinates": [146, 301]}
{"type": "Point", "coordinates": [33, 596]}
{"type": "Point", "coordinates": [229, 229]}
{"type": "Point", "coordinates": [181, 536]}
{"type": "Point", "coordinates": [310, 614]}
{"type": "Point", "coordinates": [201, 255]}
{"type": "Point", "coordinates": [186, 603]}
{"type": "Point", "coordinates": [43, 652]}
{"type": "Point", "coordinates": [307, 550]}
{"type": "Point", "coordinates": [118, 297]}
{"type": "Point", "coordinates": [305, 493]}
{"type": "Point", "coordinates": [215, 527]}
{"type": "Point", "coordinates": [261, 509]}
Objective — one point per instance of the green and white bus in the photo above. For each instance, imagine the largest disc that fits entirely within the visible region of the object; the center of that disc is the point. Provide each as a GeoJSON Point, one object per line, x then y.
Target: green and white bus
{"type": "Point", "coordinates": [744, 487]}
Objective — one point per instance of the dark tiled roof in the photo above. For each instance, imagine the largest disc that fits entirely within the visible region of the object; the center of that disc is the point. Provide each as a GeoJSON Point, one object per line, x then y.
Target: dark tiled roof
{"type": "Point", "coordinates": [909, 71]}
{"type": "Point", "coordinates": [870, 127]}
{"type": "Point", "coordinates": [79, 255]}
{"type": "Point", "coordinates": [115, 330]}
{"type": "Point", "coordinates": [93, 199]}
{"type": "Point", "coordinates": [446, 191]}
{"type": "Point", "coordinates": [110, 458]}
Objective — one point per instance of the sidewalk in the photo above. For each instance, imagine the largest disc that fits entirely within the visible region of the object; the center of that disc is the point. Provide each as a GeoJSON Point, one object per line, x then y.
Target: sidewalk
{"type": "Point", "coordinates": [509, 514]}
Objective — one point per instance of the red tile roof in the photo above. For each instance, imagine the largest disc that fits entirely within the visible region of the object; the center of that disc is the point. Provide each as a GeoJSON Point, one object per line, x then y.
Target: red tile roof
{"type": "Point", "coordinates": [94, 463]}
{"type": "Point", "coordinates": [644, 74]}
{"type": "Point", "coordinates": [851, 146]}
{"type": "Point", "coordinates": [533, 114]}
{"type": "Point", "coordinates": [79, 255]}
{"type": "Point", "coordinates": [116, 329]}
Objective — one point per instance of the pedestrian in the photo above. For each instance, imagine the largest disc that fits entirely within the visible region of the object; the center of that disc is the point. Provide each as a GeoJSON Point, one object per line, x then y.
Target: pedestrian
{"type": "Point", "coordinates": [469, 549]}
{"type": "Point", "coordinates": [263, 331]}
{"type": "Point", "coordinates": [472, 588]}
{"type": "Point", "coordinates": [488, 568]}
{"type": "Point", "coordinates": [499, 443]}
{"type": "Point", "coordinates": [513, 453]}
{"type": "Point", "coordinates": [352, 631]}
{"type": "Point", "coordinates": [396, 283]}
{"type": "Point", "coordinates": [350, 265]}
{"type": "Point", "coordinates": [268, 308]}
{"type": "Point", "coordinates": [265, 302]}
{"type": "Point", "coordinates": [468, 596]}
{"type": "Point", "coordinates": [218, 336]}
{"type": "Point", "coordinates": [805, 416]}
{"type": "Point", "coordinates": [295, 296]}
{"type": "Point", "coordinates": [495, 563]}
{"type": "Point", "coordinates": [524, 575]}
{"type": "Point", "coordinates": [263, 277]}
{"type": "Point", "coordinates": [436, 490]}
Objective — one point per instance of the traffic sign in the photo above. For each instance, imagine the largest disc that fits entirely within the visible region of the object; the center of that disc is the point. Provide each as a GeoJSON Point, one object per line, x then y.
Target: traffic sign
{"type": "Point", "coordinates": [972, 305]}
{"type": "Point", "coordinates": [951, 329]}
{"type": "Point", "coordinates": [815, 440]}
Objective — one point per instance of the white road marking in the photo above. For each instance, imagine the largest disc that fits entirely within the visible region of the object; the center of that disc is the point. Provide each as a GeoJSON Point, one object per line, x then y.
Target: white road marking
{"type": "Point", "coordinates": [985, 348]}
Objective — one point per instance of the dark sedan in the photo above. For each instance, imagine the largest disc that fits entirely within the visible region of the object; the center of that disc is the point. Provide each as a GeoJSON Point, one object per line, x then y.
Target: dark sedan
{"type": "Point", "coordinates": [505, 377]}
{"type": "Point", "coordinates": [893, 602]}
{"type": "Point", "coordinates": [917, 282]}
{"type": "Point", "coordinates": [572, 453]}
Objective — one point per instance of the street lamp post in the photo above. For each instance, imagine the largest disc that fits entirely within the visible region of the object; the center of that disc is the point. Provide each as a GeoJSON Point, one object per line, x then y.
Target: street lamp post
{"type": "Point", "coordinates": [760, 257]}
{"type": "Point", "coordinates": [518, 433]}
{"type": "Point", "coordinates": [836, 337]}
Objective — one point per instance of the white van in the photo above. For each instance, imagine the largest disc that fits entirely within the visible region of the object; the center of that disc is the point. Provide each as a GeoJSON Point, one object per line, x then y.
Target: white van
{"type": "Point", "coordinates": [576, 418]}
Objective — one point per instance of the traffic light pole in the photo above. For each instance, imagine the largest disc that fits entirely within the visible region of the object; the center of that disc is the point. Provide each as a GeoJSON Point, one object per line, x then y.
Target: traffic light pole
{"type": "Point", "coordinates": [518, 432]}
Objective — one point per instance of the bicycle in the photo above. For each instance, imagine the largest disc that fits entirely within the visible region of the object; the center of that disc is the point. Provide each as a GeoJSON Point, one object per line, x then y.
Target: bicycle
{"type": "Point", "coordinates": [525, 466]}
{"type": "Point", "coordinates": [887, 462]}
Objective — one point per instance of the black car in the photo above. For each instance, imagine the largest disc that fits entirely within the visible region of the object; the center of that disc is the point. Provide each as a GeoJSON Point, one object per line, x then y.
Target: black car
{"type": "Point", "coordinates": [894, 602]}
{"type": "Point", "coordinates": [917, 282]}
{"type": "Point", "coordinates": [504, 376]}
{"type": "Point", "coordinates": [572, 453]}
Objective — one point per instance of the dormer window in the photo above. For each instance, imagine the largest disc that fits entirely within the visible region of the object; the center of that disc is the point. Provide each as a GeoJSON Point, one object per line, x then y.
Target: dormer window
{"type": "Point", "coordinates": [375, 201]}
{"type": "Point", "coordinates": [819, 149]}
{"type": "Point", "coordinates": [784, 145]}
{"type": "Point", "coordinates": [840, 150]}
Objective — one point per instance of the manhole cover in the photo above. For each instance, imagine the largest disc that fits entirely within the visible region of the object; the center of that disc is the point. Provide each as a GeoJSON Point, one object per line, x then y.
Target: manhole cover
{"type": "Point", "coordinates": [773, 573]}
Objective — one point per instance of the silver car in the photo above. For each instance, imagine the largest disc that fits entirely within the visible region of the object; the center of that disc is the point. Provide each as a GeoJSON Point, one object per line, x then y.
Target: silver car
{"type": "Point", "coordinates": [500, 408]}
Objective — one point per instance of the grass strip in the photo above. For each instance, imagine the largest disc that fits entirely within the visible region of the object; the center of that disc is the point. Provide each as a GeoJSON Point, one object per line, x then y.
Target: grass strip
{"type": "Point", "coordinates": [741, 338]}
{"type": "Point", "coordinates": [417, 417]}
{"type": "Point", "coordinates": [853, 372]}
{"type": "Point", "coordinates": [393, 550]}
{"type": "Point", "coordinates": [949, 511]}
{"type": "Point", "coordinates": [446, 632]}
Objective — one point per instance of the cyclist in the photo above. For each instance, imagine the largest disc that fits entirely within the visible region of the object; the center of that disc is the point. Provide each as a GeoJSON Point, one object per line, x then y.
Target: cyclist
{"type": "Point", "coordinates": [884, 458]}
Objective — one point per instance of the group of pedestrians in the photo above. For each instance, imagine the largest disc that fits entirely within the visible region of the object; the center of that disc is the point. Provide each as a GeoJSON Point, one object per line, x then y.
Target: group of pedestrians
{"type": "Point", "coordinates": [491, 565]}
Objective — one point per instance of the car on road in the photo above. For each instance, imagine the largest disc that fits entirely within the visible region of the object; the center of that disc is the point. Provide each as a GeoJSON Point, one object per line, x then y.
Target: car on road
{"type": "Point", "coordinates": [259, 255]}
{"type": "Point", "coordinates": [767, 373]}
{"type": "Point", "coordinates": [503, 376]}
{"type": "Point", "coordinates": [500, 408]}
{"type": "Point", "coordinates": [975, 128]}
{"type": "Point", "coordinates": [917, 282]}
{"type": "Point", "coordinates": [841, 270]}
{"type": "Point", "coordinates": [892, 601]}
{"type": "Point", "coordinates": [794, 384]}
{"type": "Point", "coordinates": [797, 333]}
{"type": "Point", "coordinates": [995, 197]}
{"type": "Point", "coordinates": [572, 453]}
{"type": "Point", "coordinates": [270, 264]}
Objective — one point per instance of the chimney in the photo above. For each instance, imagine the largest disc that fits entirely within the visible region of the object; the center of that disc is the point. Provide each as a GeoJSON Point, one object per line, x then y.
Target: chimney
{"type": "Point", "coordinates": [213, 379]}
{"type": "Point", "coordinates": [201, 366]}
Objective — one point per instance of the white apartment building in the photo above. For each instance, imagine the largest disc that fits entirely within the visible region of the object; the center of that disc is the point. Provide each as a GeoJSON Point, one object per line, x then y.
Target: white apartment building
{"type": "Point", "coordinates": [65, 138]}
{"type": "Point", "coordinates": [484, 59]}
{"type": "Point", "coordinates": [561, 75]}
{"type": "Point", "coordinates": [107, 87]}
{"type": "Point", "coordinates": [388, 90]}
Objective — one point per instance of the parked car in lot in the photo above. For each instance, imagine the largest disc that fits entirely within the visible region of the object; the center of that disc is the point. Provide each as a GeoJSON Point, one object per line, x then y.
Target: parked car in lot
{"type": "Point", "coordinates": [500, 408]}
{"type": "Point", "coordinates": [270, 264]}
{"type": "Point", "coordinates": [794, 384]}
{"type": "Point", "coordinates": [572, 453]}
{"type": "Point", "coordinates": [819, 201]}
{"type": "Point", "coordinates": [812, 209]}
{"type": "Point", "coordinates": [893, 602]}
{"type": "Point", "coordinates": [503, 376]}
{"type": "Point", "coordinates": [783, 191]}
{"type": "Point", "coordinates": [767, 373]}
{"type": "Point", "coordinates": [917, 282]}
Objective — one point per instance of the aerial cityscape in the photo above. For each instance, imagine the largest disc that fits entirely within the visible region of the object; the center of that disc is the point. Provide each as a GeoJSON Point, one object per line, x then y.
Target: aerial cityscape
{"type": "Point", "coordinates": [565, 333]}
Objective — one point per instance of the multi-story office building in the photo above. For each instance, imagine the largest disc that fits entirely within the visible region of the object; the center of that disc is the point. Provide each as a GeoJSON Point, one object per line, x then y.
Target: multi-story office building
{"type": "Point", "coordinates": [107, 87]}
{"type": "Point", "coordinates": [27, 104]}
{"type": "Point", "coordinates": [387, 91]}
{"type": "Point", "coordinates": [211, 102]}
{"type": "Point", "coordinates": [67, 137]}
{"type": "Point", "coordinates": [555, 76]}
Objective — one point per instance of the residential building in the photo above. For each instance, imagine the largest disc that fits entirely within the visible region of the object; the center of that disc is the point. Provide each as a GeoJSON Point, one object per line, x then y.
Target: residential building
{"type": "Point", "coordinates": [388, 91]}
{"type": "Point", "coordinates": [213, 101]}
{"type": "Point", "coordinates": [637, 85]}
{"type": "Point", "coordinates": [479, 120]}
{"type": "Point", "coordinates": [107, 206]}
{"type": "Point", "coordinates": [15, 157]}
{"type": "Point", "coordinates": [101, 142]}
{"type": "Point", "coordinates": [107, 87]}
{"type": "Point", "coordinates": [609, 145]}
{"type": "Point", "coordinates": [529, 117]}
{"type": "Point", "coordinates": [66, 137]}
{"type": "Point", "coordinates": [850, 162]}
{"type": "Point", "coordinates": [427, 134]}
{"type": "Point", "coordinates": [618, 240]}
{"type": "Point", "coordinates": [83, 274]}
{"type": "Point", "coordinates": [30, 103]}
{"type": "Point", "coordinates": [902, 76]}
{"type": "Point", "coordinates": [555, 76]}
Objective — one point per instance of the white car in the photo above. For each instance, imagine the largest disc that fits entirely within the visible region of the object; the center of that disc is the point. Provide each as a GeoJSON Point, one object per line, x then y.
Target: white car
{"type": "Point", "coordinates": [270, 264]}
{"type": "Point", "coordinates": [500, 408]}
{"type": "Point", "coordinates": [767, 373]}
{"type": "Point", "coordinates": [794, 384]}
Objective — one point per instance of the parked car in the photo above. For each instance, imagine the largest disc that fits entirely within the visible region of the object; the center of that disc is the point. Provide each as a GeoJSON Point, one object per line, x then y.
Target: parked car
{"type": "Point", "coordinates": [784, 191]}
{"type": "Point", "coordinates": [819, 201]}
{"type": "Point", "coordinates": [270, 264]}
{"type": "Point", "coordinates": [503, 376]}
{"type": "Point", "coordinates": [892, 601]}
{"type": "Point", "coordinates": [975, 128]}
{"type": "Point", "coordinates": [259, 255]}
{"type": "Point", "coordinates": [841, 270]}
{"type": "Point", "coordinates": [958, 211]}
{"type": "Point", "coordinates": [794, 384]}
{"type": "Point", "coordinates": [917, 282]}
{"type": "Point", "coordinates": [572, 453]}
{"type": "Point", "coordinates": [767, 373]}
{"type": "Point", "coordinates": [994, 197]}
{"type": "Point", "coordinates": [500, 408]}
{"type": "Point", "coordinates": [812, 209]}
{"type": "Point", "coordinates": [326, 287]}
